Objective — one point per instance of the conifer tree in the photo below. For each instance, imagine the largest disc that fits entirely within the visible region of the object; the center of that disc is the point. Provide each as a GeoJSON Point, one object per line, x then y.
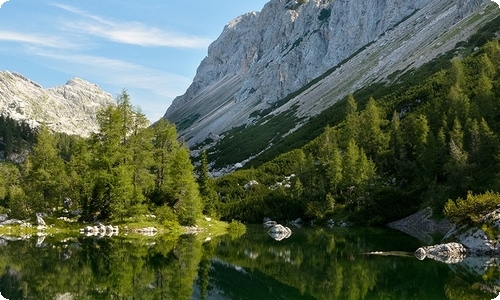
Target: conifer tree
{"type": "Point", "coordinates": [207, 186]}
{"type": "Point", "coordinates": [165, 145]}
{"type": "Point", "coordinates": [188, 204]}
{"type": "Point", "coordinates": [352, 121]}
{"type": "Point", "coordinates": [373, 139]}
{"type": "Point", "coordinates": [45, 178]}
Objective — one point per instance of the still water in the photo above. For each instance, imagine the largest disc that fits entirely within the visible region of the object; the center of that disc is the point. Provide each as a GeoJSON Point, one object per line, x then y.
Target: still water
{"type": "Point", "coordinates": [313, 263]}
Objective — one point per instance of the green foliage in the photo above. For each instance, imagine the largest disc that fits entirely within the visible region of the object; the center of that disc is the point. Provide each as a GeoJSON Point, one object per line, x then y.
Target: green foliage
{"type": "Point", "coordinates": [123, 171]}
{"type": "Point", "coordinates": [440, 142]}
{"type": "Point", "coordinates": [45, 179]}
{"type": "Point", "coordinates": [207, 187]}
{"type": "Point", "coordinates": [472, 208]}
{"type": "Point", "coordinates": [236, 229]}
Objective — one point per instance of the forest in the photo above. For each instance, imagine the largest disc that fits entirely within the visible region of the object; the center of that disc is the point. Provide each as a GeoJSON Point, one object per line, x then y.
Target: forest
{"type": "Point", "coordinates": [419, 145]}
{"type": "Point", "coordinates": [125, 169]}
{"type": "Point", "coordinates": [416, 146]}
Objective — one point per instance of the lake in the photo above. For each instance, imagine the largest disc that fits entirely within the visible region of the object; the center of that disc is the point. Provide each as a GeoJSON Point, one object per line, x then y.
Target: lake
{"type": "Point", "coordinates": [313, 263]}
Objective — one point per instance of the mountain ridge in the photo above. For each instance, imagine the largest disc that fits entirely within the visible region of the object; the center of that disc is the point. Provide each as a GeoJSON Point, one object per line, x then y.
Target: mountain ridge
{"type": "Point", "coordinates": [248, 69]}
{"type": "Point", "coordinates": [71, 108]}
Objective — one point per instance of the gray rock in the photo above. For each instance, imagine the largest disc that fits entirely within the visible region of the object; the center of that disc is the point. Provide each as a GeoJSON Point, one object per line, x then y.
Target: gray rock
{"type": "Point", "coordinates": [279, 232]}
{"type": "Point", "coordinates": [12, 222]}
{"type": "Point", "coordinates": [3, 217]}
{"type": "Point", "coordinates": [39, 220]}
{"type": "Point", "coordinates": [450, 253]}
{"type": "Point", "coordinates": [421, 225]}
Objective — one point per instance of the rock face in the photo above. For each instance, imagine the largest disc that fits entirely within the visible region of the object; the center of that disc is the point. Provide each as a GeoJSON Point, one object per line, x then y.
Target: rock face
{"type": "Point", "coordinates": [421, 225]}
{"type": "Point", "coordinates": [71, 108]}
{"type": "Point", "coordinates": [261, 57]}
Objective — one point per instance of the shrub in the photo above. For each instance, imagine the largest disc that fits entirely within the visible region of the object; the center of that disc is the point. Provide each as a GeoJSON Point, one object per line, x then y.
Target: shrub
{"type": "Point", "coordinates": [236, 229]}
{"type": "Point", "coordinates": [471, 209]}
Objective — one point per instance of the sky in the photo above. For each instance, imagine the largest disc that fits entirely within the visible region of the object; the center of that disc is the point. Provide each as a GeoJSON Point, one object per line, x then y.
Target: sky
{"type": "Point", "coordinates": [150, 48]}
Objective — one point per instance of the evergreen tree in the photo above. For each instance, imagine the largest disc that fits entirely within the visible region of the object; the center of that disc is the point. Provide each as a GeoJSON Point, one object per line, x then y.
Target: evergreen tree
{"type": "Point", "coordinates": [45, 178]}
{"type": "Point", "coordinates": [207, 187]}
{"type": "Point", "coordinates": [188, 204]}
{"type": "Point", "coordinates": [165, 145]}
{"type": "Point", "coordinates": [352, 121]}
{"type": "Point", "coordinates": [373, 139]}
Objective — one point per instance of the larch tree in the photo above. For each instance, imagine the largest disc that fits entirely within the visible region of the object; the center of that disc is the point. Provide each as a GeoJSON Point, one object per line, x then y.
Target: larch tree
{"type": "Point", "coordinates": [45, 178]}
{"type": "Point", "coordinates": [207, 187]}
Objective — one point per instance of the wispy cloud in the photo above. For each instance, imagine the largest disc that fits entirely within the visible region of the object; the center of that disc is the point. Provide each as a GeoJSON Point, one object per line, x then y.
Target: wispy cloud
{"type": "Point", "coordinates": [2, 2]}
{"type": "Point", "coordinates": [122, 74]}
{"type": "Point", "coordinates": [36, 39]}
{"type": "Point", "coordinates": [135, 33]}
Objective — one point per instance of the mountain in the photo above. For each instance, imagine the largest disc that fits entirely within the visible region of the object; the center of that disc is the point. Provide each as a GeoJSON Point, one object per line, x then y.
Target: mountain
{"type": "Point", "coordinates": [301, 57]}
{"type": "Point", "coordinates": [71, 108]}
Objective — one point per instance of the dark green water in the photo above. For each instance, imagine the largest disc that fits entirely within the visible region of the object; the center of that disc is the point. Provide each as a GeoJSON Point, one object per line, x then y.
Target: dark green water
{"type": "Point", "coordinates": [314, 263]}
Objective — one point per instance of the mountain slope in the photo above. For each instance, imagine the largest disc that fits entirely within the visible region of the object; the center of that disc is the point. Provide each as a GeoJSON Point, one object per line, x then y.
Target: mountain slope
{"type": "Point", "coordinates": [71, 108]}
{"type": "Point", "coordinates": [300, 57]}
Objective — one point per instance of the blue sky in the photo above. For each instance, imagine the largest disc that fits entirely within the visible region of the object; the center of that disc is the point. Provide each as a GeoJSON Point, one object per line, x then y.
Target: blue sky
{"type": "Point", "coordinates": [151, 48]}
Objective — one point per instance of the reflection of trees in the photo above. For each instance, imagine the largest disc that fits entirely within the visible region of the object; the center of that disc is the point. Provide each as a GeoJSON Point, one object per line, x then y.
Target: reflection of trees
{"type": "Point", "coordinates": [332, 264]}
{"type": "Point", "coordinates": [101, 269]}
{"type": "Point", "coordinates": [313, 263]}
{"type": "Point", "coordinates": [323, 265]}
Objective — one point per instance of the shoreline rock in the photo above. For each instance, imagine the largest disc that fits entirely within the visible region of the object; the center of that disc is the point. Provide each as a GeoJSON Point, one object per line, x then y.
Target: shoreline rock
{"type": "Point", "coordinates": [421, 226]}
{"type": "Point", "coordinates": [450, 253]}
{"type": "Point", "coordinates": [480, 239]}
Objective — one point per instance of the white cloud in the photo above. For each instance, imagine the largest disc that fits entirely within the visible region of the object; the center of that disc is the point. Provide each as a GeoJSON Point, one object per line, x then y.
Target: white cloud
{"type": "Point", "coordinates": [2, 2]}
{"type": "Point", "coordinates": [34, 39]}
{"type": "Point", "coordinates": [497, 298]}
{"type": "Point", "coordinates": [497, 2]}
{"type": "Point", "coordinates": [135, 33]}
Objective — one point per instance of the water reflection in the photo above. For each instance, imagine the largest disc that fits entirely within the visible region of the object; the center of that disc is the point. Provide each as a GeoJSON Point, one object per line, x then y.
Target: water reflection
{"type": "Point", "coordinates": [310, 264]}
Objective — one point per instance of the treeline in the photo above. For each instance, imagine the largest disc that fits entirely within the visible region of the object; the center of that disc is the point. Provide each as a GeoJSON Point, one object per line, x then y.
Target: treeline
{"type": "Point", "coordinates": [124, 170]}
{"type": "Point", "coordinates": [421, 145]}
{"type": "Point", "coordinates": [15, 137]}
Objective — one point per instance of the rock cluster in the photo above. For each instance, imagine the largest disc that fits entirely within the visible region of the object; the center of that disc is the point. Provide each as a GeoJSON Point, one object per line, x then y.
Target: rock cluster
{"type": "Point", "coordinates": [100, 230]}
{"type": "Point", "coordinates": [470, 241]}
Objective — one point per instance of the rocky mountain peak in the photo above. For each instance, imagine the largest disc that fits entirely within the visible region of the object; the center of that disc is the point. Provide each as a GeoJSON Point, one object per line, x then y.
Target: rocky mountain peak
{"type": "Point", "coordinates": [70, 108]}
{"type": "Point", "coordinates": [262, 57]}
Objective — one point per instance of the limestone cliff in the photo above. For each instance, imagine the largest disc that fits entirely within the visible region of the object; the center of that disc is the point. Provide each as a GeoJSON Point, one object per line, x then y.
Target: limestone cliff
{"type": "Point", "coordinates": [71, 108]}
{"type": "Point", "coordinates": [261, 57]}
